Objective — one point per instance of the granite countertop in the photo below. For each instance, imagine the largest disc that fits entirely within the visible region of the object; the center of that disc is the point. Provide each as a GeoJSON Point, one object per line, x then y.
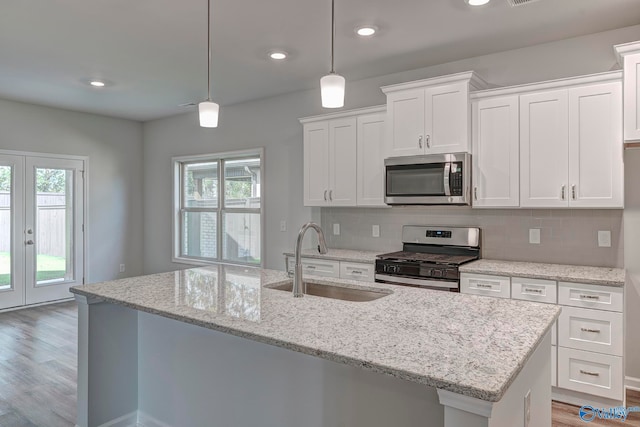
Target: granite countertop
{"type": "Point", "coordinates": [564, 273]}
{"type": "Point", "coordinates": [467, 344]}
{"type": "Point", "coordinates": [347, 255]}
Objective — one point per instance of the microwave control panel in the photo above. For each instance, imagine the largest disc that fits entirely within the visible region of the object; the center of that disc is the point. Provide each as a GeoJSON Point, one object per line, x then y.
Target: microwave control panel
{"type": "Point", "coordinates": [455, 179]}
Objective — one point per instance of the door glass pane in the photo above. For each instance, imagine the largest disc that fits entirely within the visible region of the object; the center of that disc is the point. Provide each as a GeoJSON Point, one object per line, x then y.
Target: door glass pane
{"type": "Point", "coordinates": [54, 226]}
{"type": "Point", "coordinates": [200, 182]}
{"type": "Point", "coordinates": [242, 183]}
{"type": "Point", "coordinates": [5, 227]}
{"type": "Point", "coordinates": [241, 237]}
{"type": "Point", "coordinates": [199, 234]}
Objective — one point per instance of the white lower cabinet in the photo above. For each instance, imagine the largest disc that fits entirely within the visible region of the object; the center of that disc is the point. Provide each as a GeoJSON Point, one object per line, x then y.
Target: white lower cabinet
{"type": "Point", "coordinates": [587, 341]}
{"type": "Point", "coordinates": [357, 271]}
{"type": "Point", "coordinates": [332, 268]}
{"type": "Point", "coordinates": [592, 373]}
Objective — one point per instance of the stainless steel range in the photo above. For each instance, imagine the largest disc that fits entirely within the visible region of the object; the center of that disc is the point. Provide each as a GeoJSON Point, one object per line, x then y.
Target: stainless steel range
{"type": "Point", "coordinates": [430, 257]}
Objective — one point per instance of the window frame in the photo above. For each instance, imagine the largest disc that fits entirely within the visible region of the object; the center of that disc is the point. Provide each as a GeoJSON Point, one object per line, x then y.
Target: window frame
{"type": "Point", "coordinates": [178, 194]}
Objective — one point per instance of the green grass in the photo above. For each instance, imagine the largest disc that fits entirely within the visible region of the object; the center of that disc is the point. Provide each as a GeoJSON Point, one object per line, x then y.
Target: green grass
{"type": "Point", "coordinates": [49, 267]}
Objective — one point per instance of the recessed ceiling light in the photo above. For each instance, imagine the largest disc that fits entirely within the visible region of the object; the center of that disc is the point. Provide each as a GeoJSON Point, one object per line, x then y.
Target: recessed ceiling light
{"type": "Point", "coordinates": [366, 31]}
{"type": "Point", "coordinates": [476, 2]}
{"type": "Point", "coordinates": [97, 83]}
{"type": "Point", "coordinates": [278, 55]}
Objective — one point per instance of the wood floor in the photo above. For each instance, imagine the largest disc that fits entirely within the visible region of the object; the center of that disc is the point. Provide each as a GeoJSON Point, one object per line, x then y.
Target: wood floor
{"type": "Point", "coordinates": [38, 353]}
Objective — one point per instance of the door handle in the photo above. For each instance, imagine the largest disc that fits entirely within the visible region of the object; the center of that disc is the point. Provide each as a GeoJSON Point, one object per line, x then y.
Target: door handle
{"type": "Point", "coordinates": [573, 191]}
{"type": "Point", "coordinates": [29, 242]}
{"type": "Point", "coordinates": [420, 141]}
{"type": "Point", "coordinates": [475, 193]}
{"type": "Point", "coordinates": [331, 195]}
{"type": "Point", "coordinates": [563, 188]}
{"type": "Point", "coordinates": [428, 141]}
{"type": "Point", "coordinates": [325, 195]}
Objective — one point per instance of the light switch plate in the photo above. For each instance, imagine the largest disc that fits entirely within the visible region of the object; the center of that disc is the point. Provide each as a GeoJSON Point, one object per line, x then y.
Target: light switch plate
{"type": "Point", "coordinates": [534, 236]}
{"type": "Point", "coordinates": [283, 225]}
{"type": "Point", "coordinates": [375, 231]}
{"type": "Point", "coordinates": [336, 229]}
{"type": "Point", "coordinates": [604, 238]}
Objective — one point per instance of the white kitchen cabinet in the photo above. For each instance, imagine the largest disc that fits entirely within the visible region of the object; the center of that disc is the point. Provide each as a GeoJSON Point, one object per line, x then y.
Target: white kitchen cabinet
{"type": "Point", "coordinates": [495, 152]}
{"type": "Point", "coordinates": [570, 154]}
{"type": "Point", "coordinates": [344, 158]}
{"type": "Point", "coordinates": [430, 116]}
{"type": "Point", "coordinates": [591, 330]}
{"type": "Point", "coordinates": [629, 58]}
{"type": "Point", "coordinates": [482, 284]}
{"type": "Point", "coordinates": [591, 296]}
{"type": "Point", "coordinates": [357, 271]}
{"type": "Point", "coordinates": [361, 271]}
{"type": "Point", "coordinates": [593, 373]}
{"type": "Point", "coordinates": [370, 159]}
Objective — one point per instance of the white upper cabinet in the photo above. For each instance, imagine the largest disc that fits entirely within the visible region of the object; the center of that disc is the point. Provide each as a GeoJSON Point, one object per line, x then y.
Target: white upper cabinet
{"type": "Point", "coordinates": [544, 149]}
{"type": "Point", "coordinates": [596, 171]}
{"type": "Point", "coordinates": [495, 152]}
{"type": "Point", "coordinates": [629, 58]}
{"type": "Point", "coordinates": [430, 116]}
{"type": "Point", "coordinates": [370, 154]}
{"type": "Point", "coordinates": [344, 158]}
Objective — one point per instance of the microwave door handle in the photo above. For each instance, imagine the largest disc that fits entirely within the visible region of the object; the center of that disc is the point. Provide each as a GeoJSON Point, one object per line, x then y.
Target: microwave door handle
{"type": "Point", "coordinates": [447, 171]}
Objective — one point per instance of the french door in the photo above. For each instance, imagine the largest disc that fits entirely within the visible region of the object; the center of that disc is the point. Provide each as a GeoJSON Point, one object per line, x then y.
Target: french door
{"type": "Point", "coordinates": [41, 228]}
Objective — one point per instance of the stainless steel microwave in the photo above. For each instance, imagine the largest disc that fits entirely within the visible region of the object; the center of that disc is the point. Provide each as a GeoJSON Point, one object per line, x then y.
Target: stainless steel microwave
{"type": "Point", "coordinates": [439, 179]}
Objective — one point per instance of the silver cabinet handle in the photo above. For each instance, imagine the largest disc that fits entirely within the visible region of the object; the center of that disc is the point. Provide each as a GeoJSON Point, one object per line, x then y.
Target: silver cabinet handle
{"type": "Point", "coordinates": [310, 267]}
{"type": "Point", "coordinates": [325, 195]}
{"type": "Point", "coordinates": [428, 141]}
{"type": "Point", "coordinates": [475, 192]}
{"type": "Point", "coordinates": [595, 331]}
{"type": "Point", "coordinates": [29, 242]}
{"type": "Point", "coordinates": [420, 141]}
{"type": "Point", "coordinates": [331, 195]}
{"type": "Point", "coordinates": [532, 291]}
{"type": "Point", "coordinates": [483, 286]}
{"type": "Point", "coordinates": [356, 272]}
{"type": "Point", "coordinates": [589, 297]}
{"type": "Point", "coordinates": [563, 188]}
{"type": "Point", "coordinates": [29, 231]}
{"type": "Point", "coordinates": [573, 192]}
{"type": "Point", "coordinates": [593, 374]}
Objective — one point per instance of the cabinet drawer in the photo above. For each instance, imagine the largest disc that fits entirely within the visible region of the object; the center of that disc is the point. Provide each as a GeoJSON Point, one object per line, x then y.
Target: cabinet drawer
{"type": "Point", "coordinates": [480, 284]}
{"type": "Point", "coordinates": [356, 271]}
{"type": "Point", "coordinates": [593, 373]}
{"type": "Point", "coordinates": [534, 290]}
{"type": "Point", "coordinates": [554, 366]}
{"type": "Point", "coordinates": [590, 296]}
{"type": "Point", "coordinates": [591, 330]}
{"type": "Point", "coordinates": [317, 267]}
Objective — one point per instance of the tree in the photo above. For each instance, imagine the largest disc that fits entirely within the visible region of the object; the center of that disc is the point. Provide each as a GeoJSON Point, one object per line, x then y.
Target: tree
{"type": "Point", "coordinates": [47, 180]}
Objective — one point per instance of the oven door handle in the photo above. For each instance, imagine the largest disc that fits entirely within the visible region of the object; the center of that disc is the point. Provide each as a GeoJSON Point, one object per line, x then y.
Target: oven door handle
{"type": "Point", "coordinates": [447, 172]}
{"type": "Point", "coordinates": [418, 282]}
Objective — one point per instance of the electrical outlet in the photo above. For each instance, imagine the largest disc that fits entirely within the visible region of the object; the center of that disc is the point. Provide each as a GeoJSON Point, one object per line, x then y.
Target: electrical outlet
{"type": "Point", "coordinates": [375, 231]}
{"type": "Point", "coordinates": [604, 238]}
{"type": "Point", "coordinates": [534, 236]}
{"type": "Point", "coordinates": [121, 268]}
{"type": "Point", "coordinates": [527, 408]}
{"type": "Point", "coordinates": [283, 225]}
{"type": "Point", "coordinates": [336, 229]}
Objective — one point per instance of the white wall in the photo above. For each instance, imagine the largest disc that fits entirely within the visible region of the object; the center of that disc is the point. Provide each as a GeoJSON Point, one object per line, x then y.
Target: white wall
{"type": "Point", "coordinates": [114, 148]}
{"type": "Point", "coordinates": [632, 261]}
{"type": "Point", "coordinates": [272, 123]}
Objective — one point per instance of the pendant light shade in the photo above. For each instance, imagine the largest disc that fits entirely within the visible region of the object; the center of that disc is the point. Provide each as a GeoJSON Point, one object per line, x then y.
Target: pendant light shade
{"type": "Point", "coordinates": [208, 110]}
{"type": "Point", "coordinates": [332, 90]}
{"type": "Point", "coordinates": [332, 85]}
{"type": "Point", "coordinates": [208, 114]}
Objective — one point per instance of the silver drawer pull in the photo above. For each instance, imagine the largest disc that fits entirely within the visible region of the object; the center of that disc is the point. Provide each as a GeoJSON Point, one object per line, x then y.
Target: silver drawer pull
{"type": "Point", "coordinates": [483, 286]}
{"type": "Point", "coordinates": [589, 297]}
{"type": "Point", "coordinates": [356, 272]}
{"type": "Point", "coordinates": [592, 374]}
{"type": "Point", "coordinates": [532, 291]}
{"type": "Point", "coordinates": [595, 331]}
{"type": "Point", "coordinates": [311, 267]}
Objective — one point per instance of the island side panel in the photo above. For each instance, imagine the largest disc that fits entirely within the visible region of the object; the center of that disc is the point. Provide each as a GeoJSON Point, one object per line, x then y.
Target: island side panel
{"type": "Point", "coordinates": [189, 375]}
{"type": "Point", "coordinates": [107, 363]}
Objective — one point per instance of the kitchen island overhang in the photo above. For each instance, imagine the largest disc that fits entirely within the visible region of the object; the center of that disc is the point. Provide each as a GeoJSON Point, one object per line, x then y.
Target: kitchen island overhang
{"type": "Point", "coordinates": [470, 352]}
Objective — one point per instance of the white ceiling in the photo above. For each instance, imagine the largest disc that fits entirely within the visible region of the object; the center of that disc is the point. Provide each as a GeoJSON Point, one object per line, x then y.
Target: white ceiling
{"type": "Point", "coordinates": [154, 51]}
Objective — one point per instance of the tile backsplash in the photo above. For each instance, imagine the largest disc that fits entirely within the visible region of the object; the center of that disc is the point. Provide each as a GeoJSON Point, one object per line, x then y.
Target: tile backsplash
{"type": "Point", "coordinates": [567, 236]}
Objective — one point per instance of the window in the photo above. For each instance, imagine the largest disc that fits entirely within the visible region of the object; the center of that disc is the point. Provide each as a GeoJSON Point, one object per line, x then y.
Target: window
{"type": "Point", "coordinates": [218, 208]}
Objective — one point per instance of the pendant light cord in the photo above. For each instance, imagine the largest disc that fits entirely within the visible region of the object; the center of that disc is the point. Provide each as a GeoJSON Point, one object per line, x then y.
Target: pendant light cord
{"type": "Point", "coordinates": [333, 31]}
{"type": "Point", "coordinates": [208, 50]}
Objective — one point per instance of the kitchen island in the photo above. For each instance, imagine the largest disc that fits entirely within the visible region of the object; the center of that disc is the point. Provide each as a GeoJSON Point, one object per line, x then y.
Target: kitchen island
{"type": "Point", "coordinates": [216, 346]}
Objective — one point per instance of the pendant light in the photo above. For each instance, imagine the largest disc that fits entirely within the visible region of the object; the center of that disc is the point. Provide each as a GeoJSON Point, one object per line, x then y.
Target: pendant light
{"type": "Point", "coordinates": [208, 110]}
{"type": "Point", "coordinates": [332, 85]}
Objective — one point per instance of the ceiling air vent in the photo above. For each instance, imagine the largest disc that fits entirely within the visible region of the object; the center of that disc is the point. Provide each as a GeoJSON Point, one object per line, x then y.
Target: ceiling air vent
{"type": "Point", "coordinates": [515, 3]}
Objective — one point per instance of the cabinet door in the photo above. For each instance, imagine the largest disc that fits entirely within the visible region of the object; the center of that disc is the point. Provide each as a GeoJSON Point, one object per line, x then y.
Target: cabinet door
{"type": "Point", "coordinates": [405, 132]}
{"type": "Point", "coordinates": [316, 163]}
{"type": "Point", "coordinates": [342, 162]}
{"type": "Point", "coordinates": [544, 150]}
{"type": "Point", "coordinates": [496, 158]}
{"type": "Point", "coordinates": [447, 119]}
{"type": "Point", "coordinates": [370, 152]}
{"type": "Point", "coordinates": [596, 175]}
{"type": "Point", "coordinates": [632, 97]}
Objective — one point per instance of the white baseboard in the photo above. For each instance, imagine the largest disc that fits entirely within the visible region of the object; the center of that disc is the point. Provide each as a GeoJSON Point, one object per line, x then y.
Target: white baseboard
{"type": "Point", "coordinates": [129, 420]}
{"type": "Point", "coordinates": [146, 420]}
{"type": "Point", "coordinates": [22, 307]}
{"type": "Point", "coordinates": [632, 383]}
